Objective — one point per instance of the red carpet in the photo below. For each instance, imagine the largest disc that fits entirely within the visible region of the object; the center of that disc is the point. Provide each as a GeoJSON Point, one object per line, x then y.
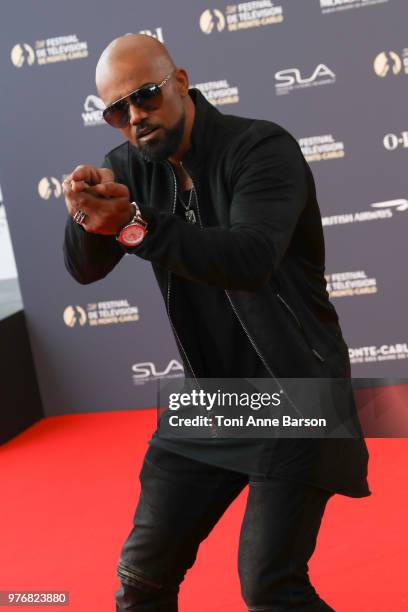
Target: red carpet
{"type": "Point", "coordinates": [69, 487]}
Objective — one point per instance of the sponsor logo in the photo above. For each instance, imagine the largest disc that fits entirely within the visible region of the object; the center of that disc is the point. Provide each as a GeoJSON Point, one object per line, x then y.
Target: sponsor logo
{"type": "Point", "coordinates": [385, 352]}
{"type": "Point", "coordinates": [219, 92]}
{"type": "Point", "coordinates": [49, 51]}
{"type": "Point", "coordinates": [155, 33]}
{"type": "Point", "coordinates": [331, 6]}
{"type": "Point", "coordinates": [241, 16]}
{"type": "Point", "coordinates": [346, 284]}
{"type": "Point", "coordinates": [74, 315]}
{"type": "Point", "coordinates": [101, 313]}
{"type": "Point", "coordinates": [93, 107]}
{"type": "Point", "coordinates": [290, 79]}
{"type": "Point", "coordinates": [400, 204]}
{"type": "Point", "coordinates": [49, 187]}
{"type": "Point", "coordinates": [147, 371]}
{"type": "Point", "coordinates": [395, 141]}
{"type": "Point", "coordinates": [382, 210]}
{"type": "Point", "coordinates": [321, 148]}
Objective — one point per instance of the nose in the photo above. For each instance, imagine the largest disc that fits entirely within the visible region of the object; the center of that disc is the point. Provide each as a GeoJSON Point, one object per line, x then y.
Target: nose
{"type": "Point", "coordinates": [136, 114]}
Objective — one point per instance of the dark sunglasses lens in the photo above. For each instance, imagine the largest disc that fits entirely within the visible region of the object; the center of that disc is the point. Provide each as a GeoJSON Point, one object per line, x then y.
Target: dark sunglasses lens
{"type": "Point", "coordinates": [116, 115]}
{"type": "Point", "coordinates": [148, 97]}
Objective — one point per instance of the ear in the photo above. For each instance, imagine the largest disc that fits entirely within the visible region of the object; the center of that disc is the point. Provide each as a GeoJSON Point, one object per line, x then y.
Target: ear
{"type": "Point", "coordinates": [182, 82]}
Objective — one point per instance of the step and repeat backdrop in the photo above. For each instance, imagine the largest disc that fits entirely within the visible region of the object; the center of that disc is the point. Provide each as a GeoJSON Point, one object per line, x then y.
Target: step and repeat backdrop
{"type": "Point", "coordinates": [333, 72]}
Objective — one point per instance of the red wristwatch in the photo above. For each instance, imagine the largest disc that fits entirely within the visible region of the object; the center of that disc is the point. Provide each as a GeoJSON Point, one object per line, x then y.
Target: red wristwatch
{"type": "Point", "coordinates": [133, 232]}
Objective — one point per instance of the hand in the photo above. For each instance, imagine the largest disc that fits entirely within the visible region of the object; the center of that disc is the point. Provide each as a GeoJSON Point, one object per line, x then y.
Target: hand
{"type": "Point", "coordinates": [105, 203]}
{"type": "Point", "coordinates": [85, 176]}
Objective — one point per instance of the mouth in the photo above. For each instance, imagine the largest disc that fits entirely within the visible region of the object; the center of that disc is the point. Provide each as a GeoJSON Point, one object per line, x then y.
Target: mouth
{"type": "Point", "coordinates": [146, 134]}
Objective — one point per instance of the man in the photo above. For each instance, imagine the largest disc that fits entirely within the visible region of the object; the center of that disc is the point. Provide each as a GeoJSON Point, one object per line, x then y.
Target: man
{"type": "Point", "coordinates": [224, 207]}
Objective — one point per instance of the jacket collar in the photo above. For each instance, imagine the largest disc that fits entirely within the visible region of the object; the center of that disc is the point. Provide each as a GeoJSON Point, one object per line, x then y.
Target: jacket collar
{"type": "Point", "coordinates": [202, 131]}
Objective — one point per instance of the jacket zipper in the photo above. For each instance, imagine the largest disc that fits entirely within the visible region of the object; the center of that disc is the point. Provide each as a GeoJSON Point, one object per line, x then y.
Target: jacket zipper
{"type": "Point", "coordinates": [251, 340]}
{"type": "Point", "coordinates": [169, 279]}
{"type": "Point", "coordinates": [295, 317]}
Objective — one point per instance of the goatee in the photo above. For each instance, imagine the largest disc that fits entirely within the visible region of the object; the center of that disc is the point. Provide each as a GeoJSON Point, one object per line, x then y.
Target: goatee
{"type": "Point", "coordinates": [161, 149]}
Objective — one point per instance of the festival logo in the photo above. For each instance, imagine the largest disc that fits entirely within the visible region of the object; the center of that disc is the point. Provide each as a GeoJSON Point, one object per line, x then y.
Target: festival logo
{"type": "Point", "coordinates": [385, 352]}
{"type": "Point", "coordinates": [101, 313]}
{"type": "Point", "coordinates": [49, 51]}
{"type": "Point", "coordinates": [386, 63]}
{"type": "Point", "coordinates": [211, 19]}
{"type": "Point", "coordinates": [242, 16]}
{"type": "Point", "coordinates": [382, 210]}
{"type": "Point", "coordinates": [291, 79]}
{"type": "Point", "coordinates": [321, 148]}
{"type": "Point", "coordinates": [331, 6]}
{"type": "Point", "coordinates": [395, 141]}
{"type": "Point", "coordinates": [93, 107]}
{"type": "Point", "coordinates": [219, 92]}
{"type": "Point", "coordinates": [147, 371]}
{"type": "Point", "coordinates": [348, 284]}
{"type": "Point", "coordinates": [74, 315]}
{"type": "Point", "coordinates": [49, 187]}
{"type": "Point", "coordinates": [22, 54]}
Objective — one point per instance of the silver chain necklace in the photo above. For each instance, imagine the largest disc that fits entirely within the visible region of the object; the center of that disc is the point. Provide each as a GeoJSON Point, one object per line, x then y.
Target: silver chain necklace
{"type": "Point", "coordinates": [189, 212]}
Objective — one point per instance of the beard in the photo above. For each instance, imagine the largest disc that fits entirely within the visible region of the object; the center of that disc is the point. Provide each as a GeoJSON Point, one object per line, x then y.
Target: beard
{"type": "Point", "coordinates": [159, 149]}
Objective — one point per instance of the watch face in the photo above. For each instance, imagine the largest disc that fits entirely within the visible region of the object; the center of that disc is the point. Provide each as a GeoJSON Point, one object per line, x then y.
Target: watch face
{"type": "Point", "coordinates": [132, 235]}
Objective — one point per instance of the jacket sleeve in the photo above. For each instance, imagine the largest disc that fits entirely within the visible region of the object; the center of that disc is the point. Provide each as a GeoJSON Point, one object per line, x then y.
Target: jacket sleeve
{"type": "Point", "coordinates": [269, 192]}
{"type": "Point", "coordinates": [89, 257]}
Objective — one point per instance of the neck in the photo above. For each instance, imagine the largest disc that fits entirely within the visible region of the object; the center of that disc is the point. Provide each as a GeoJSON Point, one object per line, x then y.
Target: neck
{"type": "Point", "coordinates": [186, 141]}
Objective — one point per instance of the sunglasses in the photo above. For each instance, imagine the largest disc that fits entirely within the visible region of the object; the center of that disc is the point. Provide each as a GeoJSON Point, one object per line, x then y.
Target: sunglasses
{"type": "Point", "coordinates": [148, 97]}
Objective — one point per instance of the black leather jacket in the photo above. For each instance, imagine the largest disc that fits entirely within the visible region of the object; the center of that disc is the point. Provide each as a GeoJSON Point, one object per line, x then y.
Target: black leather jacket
{"type": "Point", "coordinates": [266, 252]}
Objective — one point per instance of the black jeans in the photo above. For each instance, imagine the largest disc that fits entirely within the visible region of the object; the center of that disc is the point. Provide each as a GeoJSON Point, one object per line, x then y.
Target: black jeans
{"type": "Point", "coordinates": [180, 502]}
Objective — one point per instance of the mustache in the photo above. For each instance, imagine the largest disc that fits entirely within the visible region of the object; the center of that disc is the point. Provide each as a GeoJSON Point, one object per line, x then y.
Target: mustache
{"type": "Point", "coordinates": [144, 128]}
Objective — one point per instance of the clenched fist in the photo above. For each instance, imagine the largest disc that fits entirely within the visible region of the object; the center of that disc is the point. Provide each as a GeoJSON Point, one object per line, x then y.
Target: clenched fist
{"type": "Point", "coordinates": [105, 203]}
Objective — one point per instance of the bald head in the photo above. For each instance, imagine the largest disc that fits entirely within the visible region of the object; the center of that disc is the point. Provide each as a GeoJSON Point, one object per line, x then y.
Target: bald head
{"type": "Point", "coordinates": [135, 53]}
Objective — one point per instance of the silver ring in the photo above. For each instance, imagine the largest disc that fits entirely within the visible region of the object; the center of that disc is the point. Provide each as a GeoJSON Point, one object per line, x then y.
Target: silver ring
{"type": "Point", "coordinates": [79, 216]}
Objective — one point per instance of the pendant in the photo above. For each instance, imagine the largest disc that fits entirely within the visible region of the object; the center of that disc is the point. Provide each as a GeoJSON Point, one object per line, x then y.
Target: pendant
{"type": "Point", "coordinates": [190, 216]}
